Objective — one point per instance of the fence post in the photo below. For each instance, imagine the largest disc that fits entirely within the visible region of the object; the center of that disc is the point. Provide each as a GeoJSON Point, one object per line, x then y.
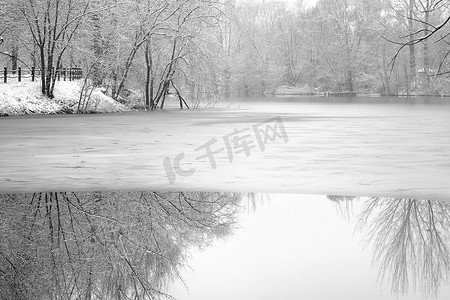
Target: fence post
{"type": "Point", "coordinates": [32, 73]}
{"type": "Point", "coordinates": [64, 74]}
{"type": "Point", "coordinates": [70, 74]}
{"type": "Point", "coordinates": [5, 75]}
{"type": "Point", "coordinates": [20, 74]}
{"type": "Point", "coordinates": [58, 74]}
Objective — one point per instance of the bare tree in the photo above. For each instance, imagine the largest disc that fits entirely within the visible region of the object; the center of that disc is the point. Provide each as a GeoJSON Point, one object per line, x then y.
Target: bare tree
{"type": "Point", "coordinates": [53, 25]}
{"type": "Point", "coordinates": [427, 28]}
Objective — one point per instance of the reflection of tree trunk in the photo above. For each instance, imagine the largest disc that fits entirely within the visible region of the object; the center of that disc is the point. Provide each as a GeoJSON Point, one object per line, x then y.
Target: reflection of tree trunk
{"type": "Point", "coordinates": [412, 51]}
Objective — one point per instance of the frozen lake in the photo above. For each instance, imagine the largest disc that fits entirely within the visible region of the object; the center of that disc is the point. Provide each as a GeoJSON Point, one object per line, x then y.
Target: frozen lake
{"type": "Point", "coordinates": [373, 146]}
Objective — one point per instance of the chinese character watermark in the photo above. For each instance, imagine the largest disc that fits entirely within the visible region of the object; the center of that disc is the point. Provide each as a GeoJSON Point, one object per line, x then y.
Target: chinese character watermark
{"type": "Point", "coordinates": [237, 142]}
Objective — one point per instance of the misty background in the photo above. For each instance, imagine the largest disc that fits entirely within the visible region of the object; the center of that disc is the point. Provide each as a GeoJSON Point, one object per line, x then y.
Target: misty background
{"type": "Point", "coordinates": [141, 51]}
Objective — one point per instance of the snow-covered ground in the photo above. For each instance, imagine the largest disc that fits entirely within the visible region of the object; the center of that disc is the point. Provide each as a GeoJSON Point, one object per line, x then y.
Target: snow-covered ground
{"type": "Point", "coordinates": [25, 98]}
{"type": "Point", "coordinates": [394, 150]}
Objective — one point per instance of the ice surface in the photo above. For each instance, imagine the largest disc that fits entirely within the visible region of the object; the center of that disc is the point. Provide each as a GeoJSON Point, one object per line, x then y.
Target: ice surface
{"type": "Point", "coordinates": [397, 150]}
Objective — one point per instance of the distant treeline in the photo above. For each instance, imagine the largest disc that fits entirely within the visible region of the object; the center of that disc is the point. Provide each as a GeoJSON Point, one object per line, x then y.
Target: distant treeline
{"type": "Point", "coordinates": [205, 49]}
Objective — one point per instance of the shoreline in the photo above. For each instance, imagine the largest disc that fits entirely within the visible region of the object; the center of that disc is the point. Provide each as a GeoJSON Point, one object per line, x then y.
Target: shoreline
{"type": "Point", "coordinates": [25, 98]}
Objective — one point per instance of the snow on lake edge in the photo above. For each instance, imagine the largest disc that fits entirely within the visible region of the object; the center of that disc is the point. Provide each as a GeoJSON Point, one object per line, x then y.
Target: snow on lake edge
{"type": "Point", "coordinates": [25, 98]}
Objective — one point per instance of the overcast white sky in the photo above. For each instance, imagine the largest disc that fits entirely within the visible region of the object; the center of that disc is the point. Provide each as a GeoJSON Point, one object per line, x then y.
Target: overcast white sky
{"type": "Point", "coordinates": [295, 247]}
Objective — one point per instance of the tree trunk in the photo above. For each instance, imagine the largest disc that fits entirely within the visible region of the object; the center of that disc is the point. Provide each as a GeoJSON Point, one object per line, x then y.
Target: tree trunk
{"type": "Point", "coordinates": [14, 56]}
{"type": "Point", "coordinates": [164, 93]}
{"type": "Point", "coordinates": [149, 101]}
{"type": "Point", "coordinates": [228, 62]}
{"type": "Point", "coordinates": [163, 88]}
{"type": "Point", "coordinates": [412, 50]}
{"type": "Point", "coordinates": [97, 79]}
{"type": "Point", "coordinates": [349, 80]}
{"type": "Point", "coordinates": [114, 81]}
{"type": "Point", "coordinates": [426, 52]}
{"type": "Point", "coordinates": [43, 73]}
{"type": "Point", "coordinates": [407, 79]}
{"type": "Point", "coordinates": [48, 79]}
{"type": "Point", "coordinates": [33, 55]}
{"type": "Point", "coordinates": [129, 62]}
{"type": "Point", "coordinates": [385, 72]}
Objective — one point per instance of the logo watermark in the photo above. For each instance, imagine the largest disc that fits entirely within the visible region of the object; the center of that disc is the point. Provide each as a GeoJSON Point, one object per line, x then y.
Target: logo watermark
{"type": "Point", "coordinates": [238, 142]}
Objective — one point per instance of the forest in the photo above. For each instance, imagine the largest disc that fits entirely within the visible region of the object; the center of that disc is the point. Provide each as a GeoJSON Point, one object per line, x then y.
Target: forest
{"type": "Point", "coordinates": [208, 49]}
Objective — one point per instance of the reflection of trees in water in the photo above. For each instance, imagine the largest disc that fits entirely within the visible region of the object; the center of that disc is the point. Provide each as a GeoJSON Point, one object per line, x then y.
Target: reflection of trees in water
{"type": "Point", "coordinates": [343, 204]}
{"type": "Point", "coordinates": [410, 239]}
{"type": "Point", "coordinates": [121, 245]}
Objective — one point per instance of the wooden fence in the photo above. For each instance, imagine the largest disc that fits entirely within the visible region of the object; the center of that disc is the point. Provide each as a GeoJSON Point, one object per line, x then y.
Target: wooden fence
{"type": "Point", "coordinates": [66, 74]}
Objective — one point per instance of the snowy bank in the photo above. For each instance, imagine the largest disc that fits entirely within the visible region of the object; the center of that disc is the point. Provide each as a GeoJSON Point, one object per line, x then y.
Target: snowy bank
{"type": "Point", "coordinates": [25, 98]}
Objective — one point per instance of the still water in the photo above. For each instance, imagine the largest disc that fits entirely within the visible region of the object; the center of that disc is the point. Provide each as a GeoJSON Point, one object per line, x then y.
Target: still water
{"type": "Point", "coordinates": [208, 245]}
{"type": "Point", "coordinates": [318, 247]}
